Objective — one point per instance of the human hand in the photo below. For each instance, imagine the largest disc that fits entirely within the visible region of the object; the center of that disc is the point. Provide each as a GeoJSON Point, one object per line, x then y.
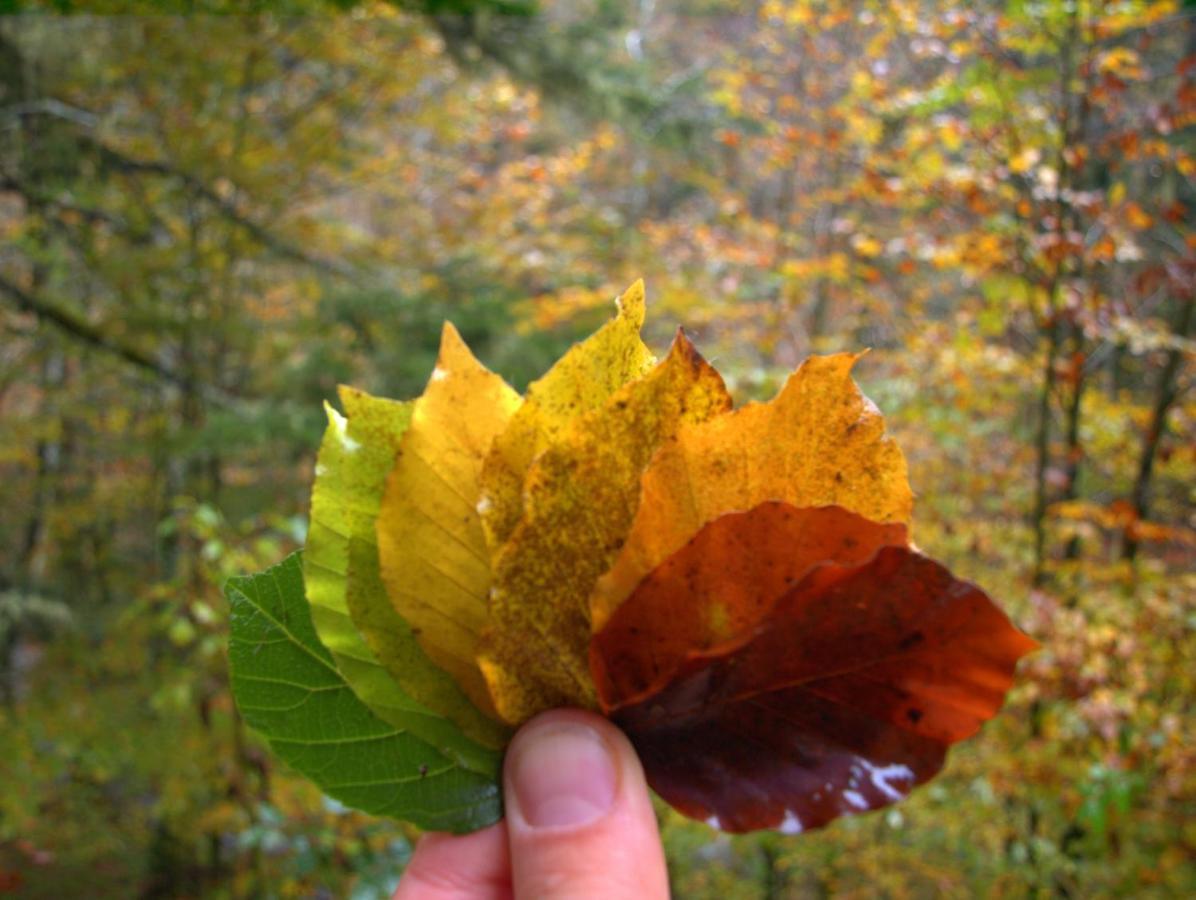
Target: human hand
{"type": "Point", "coordinates": [579, 824]}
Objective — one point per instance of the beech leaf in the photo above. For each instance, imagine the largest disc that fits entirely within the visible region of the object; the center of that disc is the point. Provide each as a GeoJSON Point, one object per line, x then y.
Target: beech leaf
{"type": "Point", "coordinates": [580, 497]}
{"type": "Point", "coordinates": [735, 589]}
{"type": "Point", "coordinates": [431, 547]}
{"type": "Point", "coordinates": [819, 442]}
{"type": "Point", "coordinates": [716, 593]}
{"type": "Point", "coordinates": [844, 694]}
{"type": "Point", "coordinates": [287, 687]}
{"type": "Point", "coordinates": [372, 646]}
{"type": "Point", "coordinates": [581, 380]}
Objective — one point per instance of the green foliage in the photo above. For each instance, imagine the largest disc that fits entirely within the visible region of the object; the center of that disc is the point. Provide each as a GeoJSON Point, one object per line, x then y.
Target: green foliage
{"type": "Point", "coordinates": [354, 756]}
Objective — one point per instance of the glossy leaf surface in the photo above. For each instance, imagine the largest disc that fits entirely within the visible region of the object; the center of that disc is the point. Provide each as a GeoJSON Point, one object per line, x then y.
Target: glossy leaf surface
{"type": "Point", "coordinates": [847, 695]}
{"type": "Point", "coordinates": [287, 687]}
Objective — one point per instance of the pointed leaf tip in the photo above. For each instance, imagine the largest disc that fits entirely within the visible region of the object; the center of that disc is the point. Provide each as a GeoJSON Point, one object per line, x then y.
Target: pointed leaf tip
{"type": "Point", "coordinates": [632, 303]}
{"type": "Point", "coordinates": [818, 442]}
{"type": "Point", "coordinates": [580, 381]}
{"type": "Point", "coordinates": [579, 497]}
{"type": "Point", "coordinates": [432, 551]}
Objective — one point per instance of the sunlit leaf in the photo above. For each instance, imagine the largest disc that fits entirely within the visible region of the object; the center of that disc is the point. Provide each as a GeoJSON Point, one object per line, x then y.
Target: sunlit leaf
{"type": "Point", "coordinates": [287, 686]}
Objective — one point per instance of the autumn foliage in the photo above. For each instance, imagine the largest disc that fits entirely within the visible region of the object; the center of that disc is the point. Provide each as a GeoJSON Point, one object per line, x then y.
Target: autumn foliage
{"type": "Point", "coordinates": [736, 588]}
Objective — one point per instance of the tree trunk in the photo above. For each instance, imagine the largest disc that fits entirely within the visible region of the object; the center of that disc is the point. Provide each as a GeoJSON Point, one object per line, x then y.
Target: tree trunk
{"type": "Point", "coordinates": [1166, 393]}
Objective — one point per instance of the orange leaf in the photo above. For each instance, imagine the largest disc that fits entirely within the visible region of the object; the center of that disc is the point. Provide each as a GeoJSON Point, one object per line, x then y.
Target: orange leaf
{"type": "Point", "coordinates": [818, 442]}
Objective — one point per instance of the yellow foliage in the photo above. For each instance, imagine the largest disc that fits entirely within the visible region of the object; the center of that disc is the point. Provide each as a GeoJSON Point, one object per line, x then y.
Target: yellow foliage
{"type": "Point", "coordinates": [432, 551]}
{"type": "Point", "coordinates": [582, 380]}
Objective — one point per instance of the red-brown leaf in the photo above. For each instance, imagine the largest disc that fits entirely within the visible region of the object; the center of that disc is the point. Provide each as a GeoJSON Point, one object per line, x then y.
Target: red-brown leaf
{"type": "Point", "coordinates": [711, 596]}
{"type": "Point", "coordinates": [845, 694]}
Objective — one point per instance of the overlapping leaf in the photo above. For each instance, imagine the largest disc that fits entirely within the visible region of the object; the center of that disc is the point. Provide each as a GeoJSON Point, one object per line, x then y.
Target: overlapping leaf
{"type": "Point", "coordinates": [582, 380]}
{"type": "Point", "coordinates": [431, 546]}
{"type": "Point", "coordinates": [735, 589]}
{"type": "Point", "coordinates": [818, 442]}
{"type": "Point", "coordinates": [844, 695]}
{"type": "Point", "coordinates": [354, 457]}
{"type": "Point", "coordinates": [580, 497]}
{"type": "Point", "coordinates": [287, 686]}
{"type": "Point", "coordinates": [716, 591]}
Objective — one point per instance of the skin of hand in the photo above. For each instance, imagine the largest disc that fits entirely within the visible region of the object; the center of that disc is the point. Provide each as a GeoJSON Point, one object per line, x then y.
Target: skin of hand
{"type": "Point", "coordinates": [579, 824]}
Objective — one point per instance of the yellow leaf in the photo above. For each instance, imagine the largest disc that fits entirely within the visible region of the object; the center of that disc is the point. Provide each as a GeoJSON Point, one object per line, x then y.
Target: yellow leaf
{"type": "Point", "coordinates": [582, 380]}
{"type": "Point", "coordinates": [1137, 217]}
{"type": "Point", "coordinates": [819, 442]}
{"type": "Point", "coordinates": [432, 551]}
{"type": "Point", "coordinates": [1025, 160]}
{"type": "Point", "coordinates": [581, 496]}
{"type": "Point", "coordinates": [866, 245]}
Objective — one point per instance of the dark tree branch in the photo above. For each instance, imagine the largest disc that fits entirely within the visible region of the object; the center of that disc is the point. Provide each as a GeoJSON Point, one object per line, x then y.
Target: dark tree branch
{"type": "Point", "coordinates": [80, 329]}
{"type": "Point", "coordinates": [1167, 392]}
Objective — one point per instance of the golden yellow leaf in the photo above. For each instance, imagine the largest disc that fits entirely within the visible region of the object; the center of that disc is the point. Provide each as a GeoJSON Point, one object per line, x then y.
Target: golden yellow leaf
{"type": "Point", "coordinates": [582, 380]}
{"type": "Point", "coordinates": [581, 495]}
{"type": "Point", "coordinates": [819, 442]}
{"type": "Point", "coordinates": [431, 548]}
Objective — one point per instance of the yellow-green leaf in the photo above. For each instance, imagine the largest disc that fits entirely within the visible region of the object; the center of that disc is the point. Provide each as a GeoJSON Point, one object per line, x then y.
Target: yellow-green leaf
{"type": "Point", "coordinates": [406, 690]}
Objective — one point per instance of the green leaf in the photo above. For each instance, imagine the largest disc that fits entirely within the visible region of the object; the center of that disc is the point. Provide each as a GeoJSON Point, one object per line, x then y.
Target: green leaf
{"type": "Point", "coordinates": [402, 686]}
{"type": "Point", "coordinates": [288, 688]}
{"type": "Point", "coordinates": [390, 638]}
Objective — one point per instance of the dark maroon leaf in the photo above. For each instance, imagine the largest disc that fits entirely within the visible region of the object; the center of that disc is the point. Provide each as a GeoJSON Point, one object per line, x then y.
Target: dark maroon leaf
{"type": "Point", "coordinates": [845, 696]}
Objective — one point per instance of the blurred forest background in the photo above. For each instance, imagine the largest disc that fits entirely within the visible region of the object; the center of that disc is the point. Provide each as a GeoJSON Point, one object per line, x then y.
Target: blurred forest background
{"type": "Point", "coordinates": [208, 220]}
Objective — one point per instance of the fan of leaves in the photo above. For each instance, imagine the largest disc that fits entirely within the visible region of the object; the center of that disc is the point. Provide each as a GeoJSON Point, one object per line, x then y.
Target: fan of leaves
{"type": "Point", "coordinates": [735, 588]}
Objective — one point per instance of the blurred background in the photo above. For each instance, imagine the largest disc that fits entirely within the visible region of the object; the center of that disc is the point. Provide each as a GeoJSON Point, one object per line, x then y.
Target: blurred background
{"type": "Point", "coordinates": [212, 212]}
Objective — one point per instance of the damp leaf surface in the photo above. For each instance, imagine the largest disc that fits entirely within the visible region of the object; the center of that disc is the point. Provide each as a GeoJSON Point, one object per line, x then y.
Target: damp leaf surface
{"type": "Point", "coordinates": [838, 698]}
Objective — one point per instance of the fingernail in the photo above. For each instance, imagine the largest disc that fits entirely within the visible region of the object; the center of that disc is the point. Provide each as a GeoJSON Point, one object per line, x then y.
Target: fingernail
{"type": "Point", "coordinates": [563, 774]}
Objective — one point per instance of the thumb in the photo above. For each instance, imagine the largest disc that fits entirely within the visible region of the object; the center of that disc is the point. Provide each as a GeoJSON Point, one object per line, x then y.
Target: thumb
{"type": "Point", "coordinates": [579, 819]}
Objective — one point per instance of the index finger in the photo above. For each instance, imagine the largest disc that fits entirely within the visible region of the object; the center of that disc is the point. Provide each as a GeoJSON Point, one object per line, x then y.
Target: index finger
{"type": "Point", "coordinates": [469, 867]}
